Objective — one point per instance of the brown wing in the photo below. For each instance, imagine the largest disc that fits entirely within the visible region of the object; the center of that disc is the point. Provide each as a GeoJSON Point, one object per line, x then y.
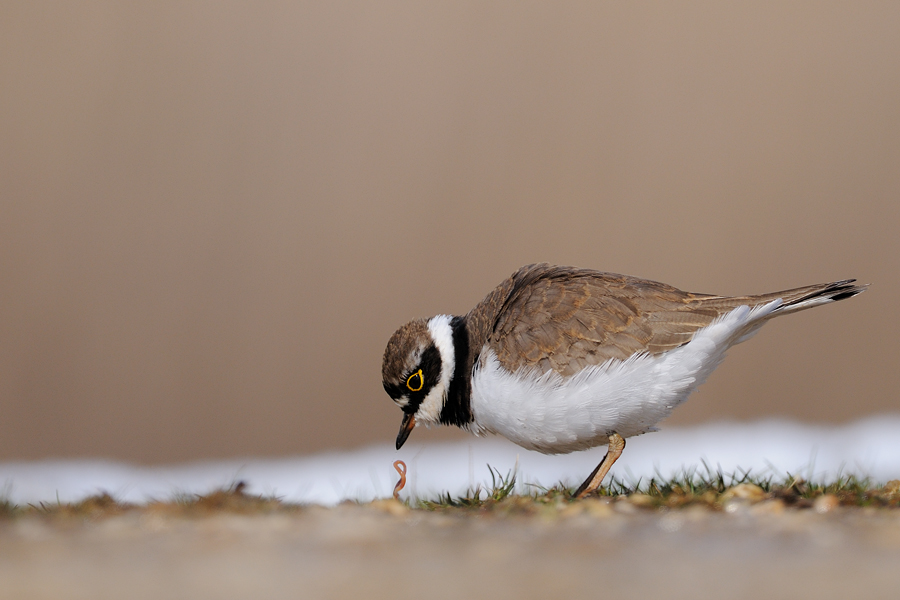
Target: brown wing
{"type": "Point", "coordinates": [579, 317]}
{"type": "Point", "coordinates": [564, 318]}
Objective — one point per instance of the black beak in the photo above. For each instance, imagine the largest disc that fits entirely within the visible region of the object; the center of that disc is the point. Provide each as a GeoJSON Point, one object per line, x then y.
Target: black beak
{"type": "Point", "coordinates": [409, 422]}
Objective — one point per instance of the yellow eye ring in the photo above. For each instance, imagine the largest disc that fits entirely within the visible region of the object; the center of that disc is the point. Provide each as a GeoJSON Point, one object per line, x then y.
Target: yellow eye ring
{"type": "Point", "coordinates": [411, 385]}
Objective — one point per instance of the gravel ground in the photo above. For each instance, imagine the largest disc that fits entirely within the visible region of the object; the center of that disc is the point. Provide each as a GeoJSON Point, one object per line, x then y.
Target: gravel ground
{"type": "Point", "coordinates": [384, 550]}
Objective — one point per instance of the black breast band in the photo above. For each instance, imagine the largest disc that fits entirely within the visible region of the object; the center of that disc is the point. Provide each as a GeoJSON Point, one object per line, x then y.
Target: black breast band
{"type": "Point", "coordinates": [457, 409]}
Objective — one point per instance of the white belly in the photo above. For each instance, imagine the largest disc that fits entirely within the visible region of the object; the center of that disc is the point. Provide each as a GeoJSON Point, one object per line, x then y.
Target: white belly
{"type": "Point", "coordinates": [554, 415]}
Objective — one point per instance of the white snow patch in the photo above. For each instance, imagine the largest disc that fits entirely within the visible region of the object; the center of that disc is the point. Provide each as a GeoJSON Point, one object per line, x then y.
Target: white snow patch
{"type": "Point", "coordinates": [867, 448]}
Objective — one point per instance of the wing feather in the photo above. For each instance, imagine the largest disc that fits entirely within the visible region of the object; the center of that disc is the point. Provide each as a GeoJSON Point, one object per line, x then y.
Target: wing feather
{"type": "Point", "coordinates": [579, 317]}
{"type": "Point", "coordinates": [565, 319]}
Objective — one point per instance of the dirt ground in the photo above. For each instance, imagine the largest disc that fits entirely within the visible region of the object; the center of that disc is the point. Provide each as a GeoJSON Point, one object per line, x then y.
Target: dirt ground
{"type": "Point", "coordinates": [385, 550]}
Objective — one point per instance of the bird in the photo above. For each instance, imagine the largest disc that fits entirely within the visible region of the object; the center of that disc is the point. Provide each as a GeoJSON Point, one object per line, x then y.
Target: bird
{"type": "Point", "coordinates": [559, 359]}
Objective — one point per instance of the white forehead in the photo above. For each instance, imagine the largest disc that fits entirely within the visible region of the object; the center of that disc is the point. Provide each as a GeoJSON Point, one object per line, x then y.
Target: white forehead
{"type": "Point", "coordinates": [442, 334]}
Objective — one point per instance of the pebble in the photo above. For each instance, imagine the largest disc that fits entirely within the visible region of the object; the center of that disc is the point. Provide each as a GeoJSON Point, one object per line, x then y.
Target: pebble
{"type": "Point", "coordinates": [391, 506]}
{"type": "Point", "coordinates": [745, 491]}
{"type": "Point", "coordinates": [599, 508]}
{"type": "Point", "coordinates": [770, 507]}
{"type": "Point", "coordinates": [642, 500]}
{"type": "Point", "coordinates": [826, 503]}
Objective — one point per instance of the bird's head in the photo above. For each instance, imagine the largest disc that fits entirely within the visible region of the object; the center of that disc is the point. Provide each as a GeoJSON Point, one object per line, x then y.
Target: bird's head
{"type": "Point", "coordinates": [418, 364]}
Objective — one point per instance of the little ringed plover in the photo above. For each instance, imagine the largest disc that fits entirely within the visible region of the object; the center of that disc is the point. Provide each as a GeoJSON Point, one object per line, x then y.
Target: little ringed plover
{"type": "Point", "coordinates": [558, 359]}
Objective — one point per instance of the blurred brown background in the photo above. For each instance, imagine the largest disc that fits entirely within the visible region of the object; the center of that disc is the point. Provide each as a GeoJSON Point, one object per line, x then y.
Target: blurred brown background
{"type": "Point", "coordinates": [214, 214]}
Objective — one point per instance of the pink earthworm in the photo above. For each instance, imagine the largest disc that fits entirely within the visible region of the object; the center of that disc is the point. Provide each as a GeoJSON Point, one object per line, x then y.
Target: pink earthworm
{"type": "Point", "coordinates": [401, 469]}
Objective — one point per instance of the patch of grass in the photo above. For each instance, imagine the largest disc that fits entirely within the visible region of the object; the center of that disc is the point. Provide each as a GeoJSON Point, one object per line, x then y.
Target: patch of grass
{"type": "Point", "coordinates": [8, 509]}
{"type": "Point", "coordinates": [712, 489]}
{"type": "Point", "coordinates": [501, 488]}
{"type": "Point", "coordinates": [101, 505]}
{"type": "Point", "coordinates": [232, 499]}
{"type": "Point", "coordinates": [849, 491]}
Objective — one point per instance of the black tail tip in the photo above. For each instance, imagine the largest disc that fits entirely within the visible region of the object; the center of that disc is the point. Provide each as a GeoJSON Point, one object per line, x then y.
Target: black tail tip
{"type": "Point", "coordinates": [845, 289]}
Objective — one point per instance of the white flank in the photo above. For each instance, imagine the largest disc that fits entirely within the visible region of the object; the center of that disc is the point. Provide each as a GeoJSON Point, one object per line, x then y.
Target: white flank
{"type": "Point", "coordinates": [556, 415]}
{"type": "Point", "coordinates": [430, 410]}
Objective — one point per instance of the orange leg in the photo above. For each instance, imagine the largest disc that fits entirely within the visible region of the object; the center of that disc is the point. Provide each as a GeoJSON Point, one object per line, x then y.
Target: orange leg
{"type": "Point", "coordinates": [590, 485]}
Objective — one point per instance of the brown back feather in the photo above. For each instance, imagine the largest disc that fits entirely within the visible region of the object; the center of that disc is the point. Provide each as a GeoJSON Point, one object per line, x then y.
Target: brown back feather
{"type": "Point", "coordinates": [564, 318]}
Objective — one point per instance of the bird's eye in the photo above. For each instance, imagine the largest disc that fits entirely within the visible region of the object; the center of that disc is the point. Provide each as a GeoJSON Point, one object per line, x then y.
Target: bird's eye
{"type": "Point", "coordinates": [415, 381]}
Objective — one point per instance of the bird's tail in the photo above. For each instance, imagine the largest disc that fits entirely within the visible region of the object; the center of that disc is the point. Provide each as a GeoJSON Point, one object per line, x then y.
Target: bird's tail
{"type": "Point", "coordinates": [766, 306]}
{"type": "Point", "coordinates": [792, 300]}
{"type": "Point", "coordinates": [813, 295]}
